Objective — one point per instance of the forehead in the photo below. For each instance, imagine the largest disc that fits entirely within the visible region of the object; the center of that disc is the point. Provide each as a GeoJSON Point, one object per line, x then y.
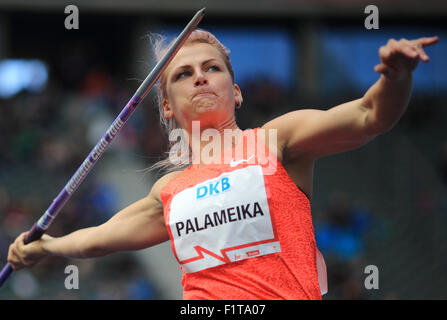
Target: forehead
{"type": "Point", "coordinates": [195, 53]}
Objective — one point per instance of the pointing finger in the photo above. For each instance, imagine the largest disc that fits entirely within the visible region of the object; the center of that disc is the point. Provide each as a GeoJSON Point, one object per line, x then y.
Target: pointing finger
{"type": "Point", "coordinates": [426, 41]}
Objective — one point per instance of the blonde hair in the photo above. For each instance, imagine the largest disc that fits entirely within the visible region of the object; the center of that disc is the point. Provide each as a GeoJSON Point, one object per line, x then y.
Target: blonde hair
{"type": "Point", "coordinates": [160, 47]}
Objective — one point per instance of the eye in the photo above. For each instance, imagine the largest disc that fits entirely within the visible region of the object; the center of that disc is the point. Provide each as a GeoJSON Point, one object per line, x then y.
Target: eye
{"type": "Point", "coordinates": [183, 74]}
{"type": "Point", "coordinates": [213, 68]}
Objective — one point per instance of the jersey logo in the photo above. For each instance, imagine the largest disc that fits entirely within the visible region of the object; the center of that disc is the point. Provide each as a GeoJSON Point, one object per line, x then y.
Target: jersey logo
{"type": "Point", "coordinates": [236, 163]}
{"type": "Point", "coordinates": [212, 188]}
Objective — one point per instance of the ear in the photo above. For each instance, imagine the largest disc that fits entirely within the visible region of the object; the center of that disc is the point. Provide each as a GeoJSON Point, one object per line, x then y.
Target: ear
{"type": "Point", "coordinates": [238, 94]}
{"type": "Point", "coordinates": [167, 111]}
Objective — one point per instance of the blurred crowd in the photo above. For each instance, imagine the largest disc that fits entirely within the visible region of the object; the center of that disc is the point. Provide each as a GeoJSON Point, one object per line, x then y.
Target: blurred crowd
{"type": "Point", "coordinates": [45, 137]}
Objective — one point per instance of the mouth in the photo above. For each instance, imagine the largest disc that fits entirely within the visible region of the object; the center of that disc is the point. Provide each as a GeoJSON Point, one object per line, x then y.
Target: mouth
{"type": "Point", "coordinates": [204, 94]}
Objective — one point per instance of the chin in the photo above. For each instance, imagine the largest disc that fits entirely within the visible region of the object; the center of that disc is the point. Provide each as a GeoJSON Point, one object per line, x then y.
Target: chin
{"type": "Point", "coordinates": [204, 106]}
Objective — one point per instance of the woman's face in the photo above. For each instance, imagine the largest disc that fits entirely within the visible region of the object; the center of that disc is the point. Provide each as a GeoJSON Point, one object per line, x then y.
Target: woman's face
{"type": "Point", "coordinates": [199, 87]}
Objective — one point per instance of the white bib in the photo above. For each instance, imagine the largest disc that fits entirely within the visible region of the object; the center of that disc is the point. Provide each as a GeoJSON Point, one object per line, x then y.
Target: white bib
{"type": "Point", "coordinates": [222, 220]}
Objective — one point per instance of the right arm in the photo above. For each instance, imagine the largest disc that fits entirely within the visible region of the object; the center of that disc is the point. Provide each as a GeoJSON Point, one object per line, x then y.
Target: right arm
{"type": "Point", "coordinates": [138, 226]}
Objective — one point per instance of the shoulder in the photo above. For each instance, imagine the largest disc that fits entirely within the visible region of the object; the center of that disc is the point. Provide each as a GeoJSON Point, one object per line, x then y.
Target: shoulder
{"type": "Point", "coordinates": [297, 127]}
{"type": "Point", "coordinates": [279, 130]}
{"type": "Point", "coordinates": [291, 119]}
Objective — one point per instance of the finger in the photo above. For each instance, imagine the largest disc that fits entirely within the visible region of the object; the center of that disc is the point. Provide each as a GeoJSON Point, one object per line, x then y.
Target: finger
{"type": "Point", "coordinates": [386, 70]}
{"type": "Point", "coordinates": [409, 51]}
{"type": "Point", "coordinates": [18, 248]}
{"type": "Point", "coordinates": [426, 41]}
{"type": "Point", "coordinates": [420, 43]}
{"type": "Point", "coordinates": [383, 69]}
{"type": "Point", "coordinates": [392, 46]}
{"type": "Point", "coordinates": [19, 259]}
{"type": "Point", "coordinates": [395, 48]}
{"type": "Point", "coordinates": [384, 52]}
{"type": "Point", "coordinates": [379, 68]}
{"type": "Point", "coordinates": [20, 240]}
{"type": "Point", "coordinates": [22, 237]}
{"type": "Point", "coordinates": [422, 54]}
{"type": "Point", "coordinates": [13, 264]}
{"type": "Point", "coordinates": [13, 259]}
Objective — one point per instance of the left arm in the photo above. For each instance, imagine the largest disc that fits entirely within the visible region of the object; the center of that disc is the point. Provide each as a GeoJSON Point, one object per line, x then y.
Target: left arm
{"type": "Point", "coordinates": [316, 133]}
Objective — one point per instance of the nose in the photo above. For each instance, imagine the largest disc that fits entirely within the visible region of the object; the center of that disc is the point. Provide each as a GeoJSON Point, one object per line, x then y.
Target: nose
{"type": "Point", "coordinates": [200, 80]}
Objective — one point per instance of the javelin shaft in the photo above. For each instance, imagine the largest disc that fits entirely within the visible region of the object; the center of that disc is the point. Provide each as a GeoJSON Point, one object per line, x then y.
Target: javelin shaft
{"type": "Point", "coordinates": [39, 228]}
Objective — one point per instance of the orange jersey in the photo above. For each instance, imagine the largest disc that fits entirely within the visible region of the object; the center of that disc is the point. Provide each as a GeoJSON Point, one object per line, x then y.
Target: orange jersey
{"type": "Point", "coordinates": [243, 230]}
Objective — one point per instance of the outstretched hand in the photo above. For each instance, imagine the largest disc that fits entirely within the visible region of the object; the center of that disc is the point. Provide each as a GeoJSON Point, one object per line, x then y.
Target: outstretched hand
{"type": "Point", "coordinates": [400, 58]}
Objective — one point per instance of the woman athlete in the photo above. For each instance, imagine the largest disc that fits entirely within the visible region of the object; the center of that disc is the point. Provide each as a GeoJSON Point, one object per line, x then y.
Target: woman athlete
{"type": "Point", "coordinates": [239, 229]}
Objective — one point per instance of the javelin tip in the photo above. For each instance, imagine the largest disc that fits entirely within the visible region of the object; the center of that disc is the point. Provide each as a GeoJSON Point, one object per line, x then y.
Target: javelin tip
{"type": "Point", "coordinates": [201, 12]}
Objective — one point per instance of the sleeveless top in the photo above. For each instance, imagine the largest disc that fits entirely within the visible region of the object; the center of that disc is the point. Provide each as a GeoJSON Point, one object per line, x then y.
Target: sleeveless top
{"type": "Point", "coordinates": [243, 229]}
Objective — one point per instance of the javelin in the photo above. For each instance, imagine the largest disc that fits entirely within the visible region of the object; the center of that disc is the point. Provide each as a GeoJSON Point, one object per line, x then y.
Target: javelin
{"type": "Point", "coordinates": [39, 228]}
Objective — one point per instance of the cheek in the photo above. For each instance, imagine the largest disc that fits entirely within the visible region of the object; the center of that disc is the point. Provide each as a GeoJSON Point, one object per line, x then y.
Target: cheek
{"type": "Point", "coordinates": [177, 95]}
{"type": "Point", "coordinates": [229, 93]}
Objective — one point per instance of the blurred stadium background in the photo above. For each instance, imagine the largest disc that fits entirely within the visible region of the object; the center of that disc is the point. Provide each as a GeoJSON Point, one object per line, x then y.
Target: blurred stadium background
{"type": "Point", "coordinates": [384, 204]}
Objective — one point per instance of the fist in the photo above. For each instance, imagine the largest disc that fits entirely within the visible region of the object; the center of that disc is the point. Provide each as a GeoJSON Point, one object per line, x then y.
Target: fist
{"type": "Point", "coordinates": [400, 58]}
{"type": "Point", "coordinates": [23, 255]}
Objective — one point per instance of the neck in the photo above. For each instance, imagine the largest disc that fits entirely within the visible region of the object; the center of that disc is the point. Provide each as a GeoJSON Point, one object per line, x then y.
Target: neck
{"type": "Point", "coordinates": [209, 143]}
